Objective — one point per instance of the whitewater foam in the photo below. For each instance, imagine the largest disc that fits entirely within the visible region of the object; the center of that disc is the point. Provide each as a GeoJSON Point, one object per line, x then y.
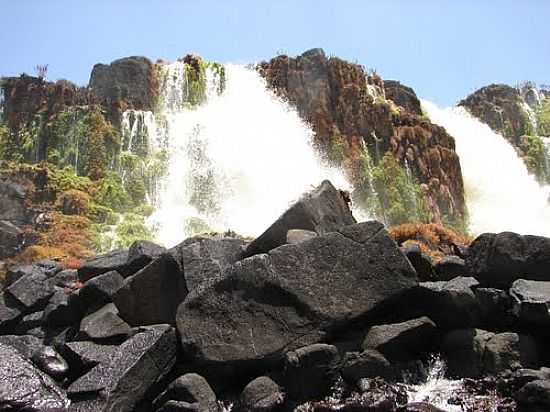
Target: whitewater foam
{"type": "Point", "coordinates": [500, 193]}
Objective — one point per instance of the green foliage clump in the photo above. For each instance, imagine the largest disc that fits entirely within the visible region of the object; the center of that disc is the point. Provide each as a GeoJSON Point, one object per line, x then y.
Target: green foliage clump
{"type": "Point", "coordinates": [196, 84]}
{"type": "Point", "coordinates": [131, 228]}
{"type": "Point", "coordinates": [535, 156]}
{"type": "Point", "coordinates": [543, 118]}
{"type": "Point", "coordinates": [398, 197]}
{"type": "Point", "coordinates": [111, 193]}
{"type": "Point", "coordinates": [219, 72]}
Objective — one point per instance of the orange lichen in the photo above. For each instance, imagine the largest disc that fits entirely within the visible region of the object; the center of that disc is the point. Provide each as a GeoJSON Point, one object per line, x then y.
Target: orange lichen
{"type": "Point", "coordinates": [434, 240]}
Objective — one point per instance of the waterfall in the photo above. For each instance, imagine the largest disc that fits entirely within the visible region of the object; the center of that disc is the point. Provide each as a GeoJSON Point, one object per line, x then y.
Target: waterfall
{"type": "Point", "coordinates": [236, 160]}
{"type": "Point", "coordinates": [500, 193]}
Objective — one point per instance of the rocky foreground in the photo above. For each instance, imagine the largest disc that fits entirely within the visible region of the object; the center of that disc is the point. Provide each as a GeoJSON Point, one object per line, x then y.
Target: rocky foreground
{"type": "Point", "coordinates": [274, 324]}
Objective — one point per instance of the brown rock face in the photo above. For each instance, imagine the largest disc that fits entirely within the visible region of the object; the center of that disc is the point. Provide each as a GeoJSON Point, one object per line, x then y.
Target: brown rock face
{"type": "Point", "coordinates": [28, 96]}
{"type": "Point", "coordinates": [128, 83]}
{"type": "Point", "coordinates": [500, 106]}
{"type": "Point", "coordinates": [346, 106]}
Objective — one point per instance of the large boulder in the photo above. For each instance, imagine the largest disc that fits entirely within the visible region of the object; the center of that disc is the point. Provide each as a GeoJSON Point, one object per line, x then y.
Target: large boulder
{"type": "Point", "coordinates": [32, 291]}
{"type": "Point", "coordinates": [403, 341]}
{"type": "Point", "coordinates": [100, 290]}
{"type": "Point", "coordinates": [450, 267]}
{"type": "Point", "coordinates": [421, 262]}
{"type": "Point", "coordinates": [367, 364]}
{"type": "Point", "coordinates": [48, 360]}
{"type": "Point", "coordinates": [261, 395]}
{"type": "Point", "coordinates": [474, 352]}
{"type": "Point", "coordinates": [11, 239]}
{"type": "Point", "coordinates": [12, 203]}
{"type": "Point", "coordinates": [11, 312]}
{"type": "Point", "coordinates": [531, 300]}
{"type": "Point", "coordinates": [140, 254]}
{"type": "Point", "coordinates": [153, 294]}
{"type": "Point", "coordinates": [104, 324]}
{"type": "Point", "coordinates": [24, 388]}
{"type": "Point", "coordinates": [294, 295]}
{"type": "Point", "coordinates": [510, 351]}
{"type": "Point", "coordinates": [206, 258]}
{"type": "Point", "coordinates": [322, 210]}
{"type": "Point", "coordinates": [310, 372]}
{"type": "Point", "coordinates": [119, 383]}
{"type": "Point", "coordinates": [497, 260]}
{"type": "Point", "coordinates": [191, 391]}
{"type": "Point", "coordinates": [115, 260]}
{"type": "Point", "coordinates": [450, 304]}
{"type": "Point", "coordinates": [535, 395]}
{"type": "Point", "coordinates": [496, 308]}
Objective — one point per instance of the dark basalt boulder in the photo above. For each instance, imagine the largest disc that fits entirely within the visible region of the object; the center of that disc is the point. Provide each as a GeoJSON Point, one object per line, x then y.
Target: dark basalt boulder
{"type": "Point", "coordinates": [367, 364]}
{"type": "Point", "coordinates": [100, 290]}
{"type": "Point", "coordinates": [450, 267]}
{"type": "Point", "coordinates": [261, 395]}
{"type": "Point", "coordinates": [32, 291]}
{"type": "Point", "coordinates": [531, 300]}
{"type": "Point", "coordinates": [29, 322]}
{"type": "Point", "coordinates": [190, 391]}
{"type": "Point", "coordinates": [510, 351]}
{"type": "Point", "coordinates": [421, 262]}
{"type": "Point", "coordinates": [497, 260]}
{"type": "Point", "coordinates": [115, 260]}
{"type": "Point", "coordinates": [65, 278]}
{"type": "Point", "coordinates": [104, 324]}
{"type": "Point", "coordinates": [12, 203]}
{"type": "Point", "coordinates": [24, 388]}
{"type": "Point", "coordinates": [408, 340]}
{"type": "Point", "coordinates": [15, 273]}
{"type": "Point", "coordinates": [322, 210]}
{"type": "Point", "coordinates": [11, 312]}
{"type": "Point", "coordinates": [474, 352]}
{"type": "Point", "coordinates": [59, 312]}
{"type": "Point", "coordinates": [451, 304]}
{"type": "Point", "coordinates": [535, 396]}
{"type": "Point", "coordinates": [153, 294]}
{"type": "Point", "coordinates": [402, 96]}
{"type": "Point", "coordinates": [268, 304]}
{"type": "Point", "coordinates": [496, 308]}
{"type": "Point", "coordinates": [464, 350]}
{"type": "Point", "coordinates": [207, 257]}
{"type": "Point", "coordinates": [123, 380]}
{"type": "Point", "coordinates": [84, 355]}
{"type": "Point", "coordinates": [140, 254]}
{"type": "Point", "coordinates": [311, 371]}
{"type": "Point", "coordinates": [12, 239]}
{"type": "Point", "coordinates": [49, 361]}
{"type": "Point", "coordinates": [130, 79]}
{"type": "Point", "coordinates": [26, 345]}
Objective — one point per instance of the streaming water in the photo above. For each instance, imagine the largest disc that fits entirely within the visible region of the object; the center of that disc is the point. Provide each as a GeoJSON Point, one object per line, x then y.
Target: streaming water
{"type": "Point", "coordinates": [500, 194]}
{"type": "Point", "coordinates": [236, 161]}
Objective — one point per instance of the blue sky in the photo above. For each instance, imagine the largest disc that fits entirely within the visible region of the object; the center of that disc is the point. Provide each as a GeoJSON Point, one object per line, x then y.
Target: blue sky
{"type": "Point", "coordinates": [444, 49]}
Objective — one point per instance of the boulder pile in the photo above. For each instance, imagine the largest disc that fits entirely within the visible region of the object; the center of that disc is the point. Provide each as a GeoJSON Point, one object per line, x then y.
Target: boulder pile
{"type": "Point", "coordinates": [276, 322]}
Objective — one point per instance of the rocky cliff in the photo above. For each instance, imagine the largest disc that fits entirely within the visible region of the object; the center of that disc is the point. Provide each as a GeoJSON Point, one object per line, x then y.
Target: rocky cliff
{"type": "Point", "coordinates": [358, 119]}
{"type": "Point", "coordinates": [521, 115]}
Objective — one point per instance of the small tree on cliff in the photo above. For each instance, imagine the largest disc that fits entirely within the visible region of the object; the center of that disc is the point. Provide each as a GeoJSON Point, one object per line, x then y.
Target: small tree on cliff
{"type": "Point", "coordinates": [41, 70]}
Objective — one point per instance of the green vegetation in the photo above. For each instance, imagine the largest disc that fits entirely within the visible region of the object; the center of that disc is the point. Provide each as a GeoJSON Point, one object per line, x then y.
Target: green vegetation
{"type": "Point", "coordinates": [543, 118]}
{"type": "Point", "coordinates": [131, 228]}
{"type": "Point", "coordinates": [398, 197]}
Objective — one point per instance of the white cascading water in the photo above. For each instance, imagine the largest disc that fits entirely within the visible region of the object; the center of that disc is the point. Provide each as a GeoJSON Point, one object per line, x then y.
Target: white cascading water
{"type": "Point", "coordinates": [236, 161]}
{"type": "Point", "coordinates": [500, 194]}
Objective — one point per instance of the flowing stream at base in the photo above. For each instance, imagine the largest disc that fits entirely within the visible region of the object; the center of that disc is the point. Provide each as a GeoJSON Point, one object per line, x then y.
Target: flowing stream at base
{"type": "Point", "coordinates": [236, 161]}
{"type": "Point", "coordinates": [500, 194]}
